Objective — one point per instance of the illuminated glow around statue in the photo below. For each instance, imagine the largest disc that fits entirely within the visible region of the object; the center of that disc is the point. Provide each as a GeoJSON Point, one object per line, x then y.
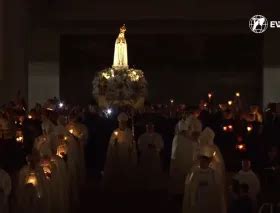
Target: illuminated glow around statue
{"type": "Point", "coordinates": [120, 53]}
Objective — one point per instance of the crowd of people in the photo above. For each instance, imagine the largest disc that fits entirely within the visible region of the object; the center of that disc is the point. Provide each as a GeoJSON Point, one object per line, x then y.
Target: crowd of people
{"type": "Point", "coordinates": [193, 152]}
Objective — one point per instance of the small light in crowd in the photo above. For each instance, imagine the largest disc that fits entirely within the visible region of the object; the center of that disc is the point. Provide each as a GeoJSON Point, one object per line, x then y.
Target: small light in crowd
{"type": "Point", "coordinates": [19, 139]}
{"type": "Point", "coordinates": [109, 111]}
{"type": "Point", "coordinates": [229, 103]}
{"type": "Point", "coordinates": [249, 128]}
{"type": "Point", "coordinates": [230, 127]}
{"type": "Point", "coordinates": [205, 105]}
{"type": "Point", "coordinates": [116, 133]}
{"type": "Point", "coordinates": [171, 101]}
{"type": "Point", "coordinates": [225, 128]}
{"type": "Point", "coordinates": [237, 94]}
{"type": "Point", "coordinates": [49, 109]}
{"type": "Point", "coordinates": [65, 138]}
{"type": "Point", "coordinates": [209, 95]}
{"type": "Point", "coordinates": [71, 131]}
{"type": "Point", "coordinates": [241, 147]}
{"type": "Point", "coordinates": [31, 179]}
{"type": "Point", "coordinates": [29, 116]}
{"type": "Point", "coordinates": [61, 105]}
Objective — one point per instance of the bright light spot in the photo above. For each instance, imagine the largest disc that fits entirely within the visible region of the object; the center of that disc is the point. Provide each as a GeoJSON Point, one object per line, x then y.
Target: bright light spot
{"type": "Point", "coordinates": [171, 101]}
{"type": "Point", "coordinates": [19, 139]}
{"type": "Point", "coordinates": [116, 133]}
{"type": "Point", "coordinates": [71, 131]}
{"type": "Point", "coordinates": [249, 128]}
{"type": "Point", "coordinates": [60, 105]}
{"type": "Point", "coordinates": [225, 128]}
{"type": "Point", "coordinates": [109, 111]}
{"type": "Point", "coordinates": [209, 95]}
{"type": "Point", "coordinates": [106, 75]}
{"type": "Point", "coordinates": [29, 116]}
{"type": "Point", "coordinates": [237, 94]}
{"type": "Point", "coordinates": [229, 103]}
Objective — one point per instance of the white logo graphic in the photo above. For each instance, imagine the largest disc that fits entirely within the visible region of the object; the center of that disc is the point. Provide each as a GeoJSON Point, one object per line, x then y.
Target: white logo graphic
{"type": "Point", "coordinates": [258, 24]}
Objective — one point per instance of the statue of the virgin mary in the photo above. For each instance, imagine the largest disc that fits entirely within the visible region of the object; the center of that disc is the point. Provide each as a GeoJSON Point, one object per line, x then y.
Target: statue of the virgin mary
{"type": "Point", "coordinates": [120, 53]}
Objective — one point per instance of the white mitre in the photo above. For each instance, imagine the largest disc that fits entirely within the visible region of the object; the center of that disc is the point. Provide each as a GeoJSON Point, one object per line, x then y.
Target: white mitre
{"type": "Point", "coordinates": [194, 124]}
{"type": "Point", "coordinates": [207, 136]}
{"type": "Point", "coordinates": [183, 126]}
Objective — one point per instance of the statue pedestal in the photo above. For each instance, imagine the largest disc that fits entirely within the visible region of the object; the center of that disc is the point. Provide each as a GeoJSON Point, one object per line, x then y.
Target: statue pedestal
{"type": "Point", "coordinates": [120, 67]}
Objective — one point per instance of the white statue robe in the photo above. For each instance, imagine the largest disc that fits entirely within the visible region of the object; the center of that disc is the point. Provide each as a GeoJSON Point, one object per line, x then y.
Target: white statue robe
{"type": "Point", "coordinates": [121, 161]}
{"type": "Point", "coordinates": [39, 199]}
{"type": "Point", "coordinates": [203, 192]}
{"type": "Point", "coordinates": [252, 180]}
{"type": "Point", "coordinates": [150, 145]}
{"type": "Point", "coordinates": [5, 187]}
{"type": "Point", "coordinates": [120, 53]}
{"type": "Point", "coordinates": [182, 159]}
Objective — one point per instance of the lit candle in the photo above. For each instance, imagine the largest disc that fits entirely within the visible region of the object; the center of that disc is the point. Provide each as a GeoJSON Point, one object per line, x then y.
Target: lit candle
{"type": "Point", "coordinates": [171, 101]}
{"type": "Point", "coordinates": [19, 137]}
{"type": "Point", "coordinates": [71, 131]}
{"type": "Point", "coordinates": [116, 133]}
{"type": "Point", "coordinates": [225, 128]}
{"type": "Point", "coordinates": [29, 116]}
{"type": "Point", "coordinates": [209, 95]}
{"type": "Point", "coordinates": [61, 150]}
{"type": "Point", "coordinates": [249, 128]}
{"type": "Point", "coordinates": [241, 147]}
{"type": "Point", "coordinates": [31, 179]}
{"type": "Point", "coordinates": [229, 103]}
{"type": "Point", "coordinates": [237, 94]}
{"type": "Point", "coordinates": [230, 127]}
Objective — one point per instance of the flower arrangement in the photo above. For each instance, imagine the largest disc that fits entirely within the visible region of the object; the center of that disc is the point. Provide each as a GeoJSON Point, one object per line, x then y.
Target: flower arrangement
{"type": "Point", "coordinates": [117, 87]}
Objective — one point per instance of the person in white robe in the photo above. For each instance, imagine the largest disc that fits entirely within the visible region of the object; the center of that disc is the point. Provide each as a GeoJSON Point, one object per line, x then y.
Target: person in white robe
{"type": "Point", "coordinates": [63, 137]}
{"type": "Point", "coordinates": [150, 145]}
{"type": "Point", "coordinates": [203, 188]}
{"type": "Point", "coordinates": [247, 176]}
{"type": "Point", "coordinates": [206, 138]}
{"type": "Point", "coordinates": [121, 158]}
{"type": "Point", "coordinates": [80, 132]}
{"type": "Point", "coordinates": [5, 191]}
{"type": "Point", "coordinates": [182, 159]}
{"type": "Point", "coordinates": [32, 176]}
{"type": "Point", "coordinates": [62, 183]}
{"type": "Point", "coordinates": [183, 119]}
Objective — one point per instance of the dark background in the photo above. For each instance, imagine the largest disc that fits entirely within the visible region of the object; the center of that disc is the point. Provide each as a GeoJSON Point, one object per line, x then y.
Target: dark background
{"type": "Point", "coordinates": [180, 66]}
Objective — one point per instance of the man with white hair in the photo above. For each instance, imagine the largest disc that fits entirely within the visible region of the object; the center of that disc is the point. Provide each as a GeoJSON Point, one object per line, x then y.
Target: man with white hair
{"type": "Point", "coordinates": [203, 190]}
{"type": "Point", "coordinates": [121, 157]}
{"type": "Point", "coordinates": [182, 159]}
